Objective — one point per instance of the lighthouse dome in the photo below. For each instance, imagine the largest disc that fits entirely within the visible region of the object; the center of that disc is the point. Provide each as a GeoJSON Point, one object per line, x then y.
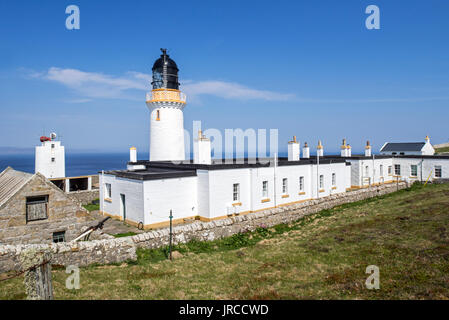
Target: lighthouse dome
{"type": "Point", "coordinates": [165, 72]}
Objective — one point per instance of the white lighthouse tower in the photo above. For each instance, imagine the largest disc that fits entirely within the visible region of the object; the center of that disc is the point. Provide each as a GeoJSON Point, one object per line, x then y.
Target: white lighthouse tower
{"type": "Point", "coordinates": [166, 103]}
{"type": "Point", "coordinates": [50, 157]}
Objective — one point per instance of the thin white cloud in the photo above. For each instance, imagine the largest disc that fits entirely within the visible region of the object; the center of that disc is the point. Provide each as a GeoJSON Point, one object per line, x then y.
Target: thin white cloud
{"type": "Point", "coordinates": [231, 90]}
{"type": "Point", "coordinates": [98, 85]}
{"type": "Point", "coordinates": [133, 85]}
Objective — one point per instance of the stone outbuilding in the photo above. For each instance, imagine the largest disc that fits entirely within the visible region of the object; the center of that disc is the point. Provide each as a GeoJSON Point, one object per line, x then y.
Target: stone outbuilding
{"type": "Point", "coordinates": [34, 210]}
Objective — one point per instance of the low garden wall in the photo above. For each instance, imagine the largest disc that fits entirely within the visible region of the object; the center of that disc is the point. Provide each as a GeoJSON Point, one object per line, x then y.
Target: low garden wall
{"type": "Point", "coordinates": [122, 249]}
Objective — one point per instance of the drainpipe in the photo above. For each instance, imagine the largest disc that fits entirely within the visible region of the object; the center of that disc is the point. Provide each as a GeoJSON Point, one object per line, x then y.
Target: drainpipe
{"type": "Point", "coordinates": [274, 176]}
{"type": "Point", "coordinates": [102, 188]}
{"type": "Point", "coordinates": [317, 176]}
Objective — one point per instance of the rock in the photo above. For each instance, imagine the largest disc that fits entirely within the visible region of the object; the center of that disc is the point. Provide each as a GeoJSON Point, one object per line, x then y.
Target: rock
{"type": "Point", "coordinates": [176, 255]}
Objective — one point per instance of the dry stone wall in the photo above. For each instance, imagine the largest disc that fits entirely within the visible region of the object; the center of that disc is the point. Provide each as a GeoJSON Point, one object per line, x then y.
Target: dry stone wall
{"type": "Point", "coordinates": [84, 196]}
{"type": "Point", "coordinates": [122, 249]}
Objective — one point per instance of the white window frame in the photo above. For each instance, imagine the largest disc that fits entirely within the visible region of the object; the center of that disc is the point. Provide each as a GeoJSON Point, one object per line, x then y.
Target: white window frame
{"type": "Point", "coordinates": [108, 191]}
{"type": "Point", "coordinates": [265, 189]}
{"type": "Point", "coordinates": [397, 169]}
{"type": "Point", "coordinates": [440, 170]}
{"type": "Point", "coordinates": [413, 167]}
{"type": "Point", "coordinates": [381, 170]}
{"type": "Point", "coordinates": [334, 179]}
{"type": "Point", "coordinates": [321, 181]}
{"type": "Point", "coordinates": [301, 183]}
{"type": "Point", "coordinates": [236, 192]}
{"type": "Point", "coordinates": [285, 186]}
{"type": "Point", "coordinates": [390, 170]}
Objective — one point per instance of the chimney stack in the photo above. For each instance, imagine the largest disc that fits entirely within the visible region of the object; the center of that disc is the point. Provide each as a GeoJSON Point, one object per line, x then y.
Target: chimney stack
{"type": "Point", "coordinates": [201, 150]}
{"type": "Point", "coordinates": [293, 150]}
{"type": "Point", "coordinates": [344, 150]}
{"type": "Point", "coordinates": [306, 151]}
{"type": "Point", "coordinates": [319, 149]}
{"type": "Point", "coordinates": [348, 150]}
{"type": "Point", "coordinates": [368, 149]}
{"type": "Point", "coordinates": [132, 154]}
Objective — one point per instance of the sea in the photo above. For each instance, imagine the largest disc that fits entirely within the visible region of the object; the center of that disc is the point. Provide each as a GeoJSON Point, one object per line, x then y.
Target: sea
{"type": "Point", "coordinates": [76, 164]}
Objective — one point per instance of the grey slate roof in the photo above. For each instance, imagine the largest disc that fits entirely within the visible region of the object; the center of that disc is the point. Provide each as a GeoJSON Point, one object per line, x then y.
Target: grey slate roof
{"type": "Point", "coordinates": [10, 182]}
{"type": "Point", "coordinates": [403, 146]}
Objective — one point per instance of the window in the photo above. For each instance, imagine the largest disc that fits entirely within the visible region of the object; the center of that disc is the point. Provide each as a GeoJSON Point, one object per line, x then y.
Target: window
{"type": "Point", "coordinates": [301, 183]}
{"type": "Point", "coordinates": [381, 170]}
{"type": "Point", "coordinates": [236, 192]}
{"type": "Point", "coordinates": [52, 159]}
{"type": "Point", "coordinates": [265, 189]}
{"type": "Point", "coordinates": [59, 236]}
{"type": "Point", "coordinates": [108, 191]}
{"type": "Point", "coordinates": [397, 169]}
{"type": "Point", "coordinates": [36, 208]}
{"type": "Point", "coordinates": [321, 181]}
{"type": "Point", "coordinates": [366, 171]}
{"type": "Point", "coordinates": [414, 170]}
{"type": "Point", "coordinates": [284, 186]}
{"type": "Point", "coordinates": [334, 179]}
{"type": "Point", "coordinates": [52, 145]}
{"type": "Point", "coordinates": [389, 170]}
{"type": "Point", "coordinates": [394, 153]}
{"type": "Point", "coordinates": [438, 171]}
{"type": "Point", "coordinates": [158, 115]}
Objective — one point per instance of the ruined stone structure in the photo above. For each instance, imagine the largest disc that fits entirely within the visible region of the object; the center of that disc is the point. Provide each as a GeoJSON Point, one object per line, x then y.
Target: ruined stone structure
{"type": "Point", "coordinates": [34, 210]}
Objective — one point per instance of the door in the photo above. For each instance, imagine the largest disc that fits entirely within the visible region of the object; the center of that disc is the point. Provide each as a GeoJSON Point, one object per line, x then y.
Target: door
{"type": "Point", "coordinates": [123, 206]}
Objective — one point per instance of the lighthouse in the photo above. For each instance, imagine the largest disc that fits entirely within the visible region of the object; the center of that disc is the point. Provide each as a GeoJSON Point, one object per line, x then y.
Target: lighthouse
{"type": "Point", "coordinates": [166, 103]}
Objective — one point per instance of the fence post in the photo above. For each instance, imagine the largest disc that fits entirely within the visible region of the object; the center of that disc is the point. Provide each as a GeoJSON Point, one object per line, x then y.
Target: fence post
{"type": "Point", "coordinates": [37, 279]}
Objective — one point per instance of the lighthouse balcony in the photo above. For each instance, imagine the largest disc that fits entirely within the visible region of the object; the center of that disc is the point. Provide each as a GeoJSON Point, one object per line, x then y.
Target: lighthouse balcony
{"type": "Point", "coordinates": [165, 95]}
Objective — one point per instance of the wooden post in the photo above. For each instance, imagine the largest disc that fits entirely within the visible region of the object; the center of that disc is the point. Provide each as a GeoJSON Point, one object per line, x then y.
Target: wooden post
{"type": "Point", "coordinates": [37, 279]}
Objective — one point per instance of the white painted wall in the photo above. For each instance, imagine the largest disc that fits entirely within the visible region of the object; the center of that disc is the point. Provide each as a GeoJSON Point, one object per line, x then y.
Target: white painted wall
{"type": "Point", "coordinates": [428, 168]}
{"type": "Point", "coordinates": [43, 159]}
{"type": "Point", "coordinates": [367, 171]}
{"type": "Point", "coordinates": [133, 191]}
{"type": "Point", "coordinates": [176, 194]}
{"type": "Point", "coordinates": [167, 133]}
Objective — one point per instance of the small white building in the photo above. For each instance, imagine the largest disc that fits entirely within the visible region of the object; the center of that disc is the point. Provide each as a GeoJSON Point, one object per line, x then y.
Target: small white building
{"type": "Point", "coordinates": [50, 158]}
{"type": "Point", "coordinates": [408, 148]}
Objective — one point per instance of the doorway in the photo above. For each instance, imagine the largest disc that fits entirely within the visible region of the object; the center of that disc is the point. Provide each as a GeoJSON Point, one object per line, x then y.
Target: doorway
{"type": "Point", "coordinates": [123, 206]}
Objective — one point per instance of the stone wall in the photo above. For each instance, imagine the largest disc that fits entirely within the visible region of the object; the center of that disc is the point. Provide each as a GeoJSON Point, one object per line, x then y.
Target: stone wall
{"type": "Point", "coordinates": [84, 196]}
{"type": "Point", "coordinates": [73, 253]}
{"type": "Point", "coordinates": [121, 249]}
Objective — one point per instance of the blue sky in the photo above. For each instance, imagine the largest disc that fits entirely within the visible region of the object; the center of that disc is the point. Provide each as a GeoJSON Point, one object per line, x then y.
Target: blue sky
{"type": "Point", "coordinates": [308, 68]}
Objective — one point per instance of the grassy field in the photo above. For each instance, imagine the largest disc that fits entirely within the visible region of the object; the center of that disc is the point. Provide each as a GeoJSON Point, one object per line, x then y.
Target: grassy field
{"type": "Point", "coordinates": [441, 150]}
{"type": "Point", "coordinates": [323, 256]}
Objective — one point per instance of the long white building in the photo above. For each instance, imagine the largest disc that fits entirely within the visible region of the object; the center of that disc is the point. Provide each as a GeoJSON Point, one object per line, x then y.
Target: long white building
{"type": "Point", "coordinates": [148, 192]}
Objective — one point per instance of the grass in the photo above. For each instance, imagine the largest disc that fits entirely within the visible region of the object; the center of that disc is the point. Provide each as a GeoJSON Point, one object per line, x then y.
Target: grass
{"type": "Point", "coordinates": [322, 256]}
{"type": "Point", "coordinates": [126, 234]}
{"type": "Point", "coordinates": [440, 150]}
{"type": "Point", "coordinates": [91, 206]}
